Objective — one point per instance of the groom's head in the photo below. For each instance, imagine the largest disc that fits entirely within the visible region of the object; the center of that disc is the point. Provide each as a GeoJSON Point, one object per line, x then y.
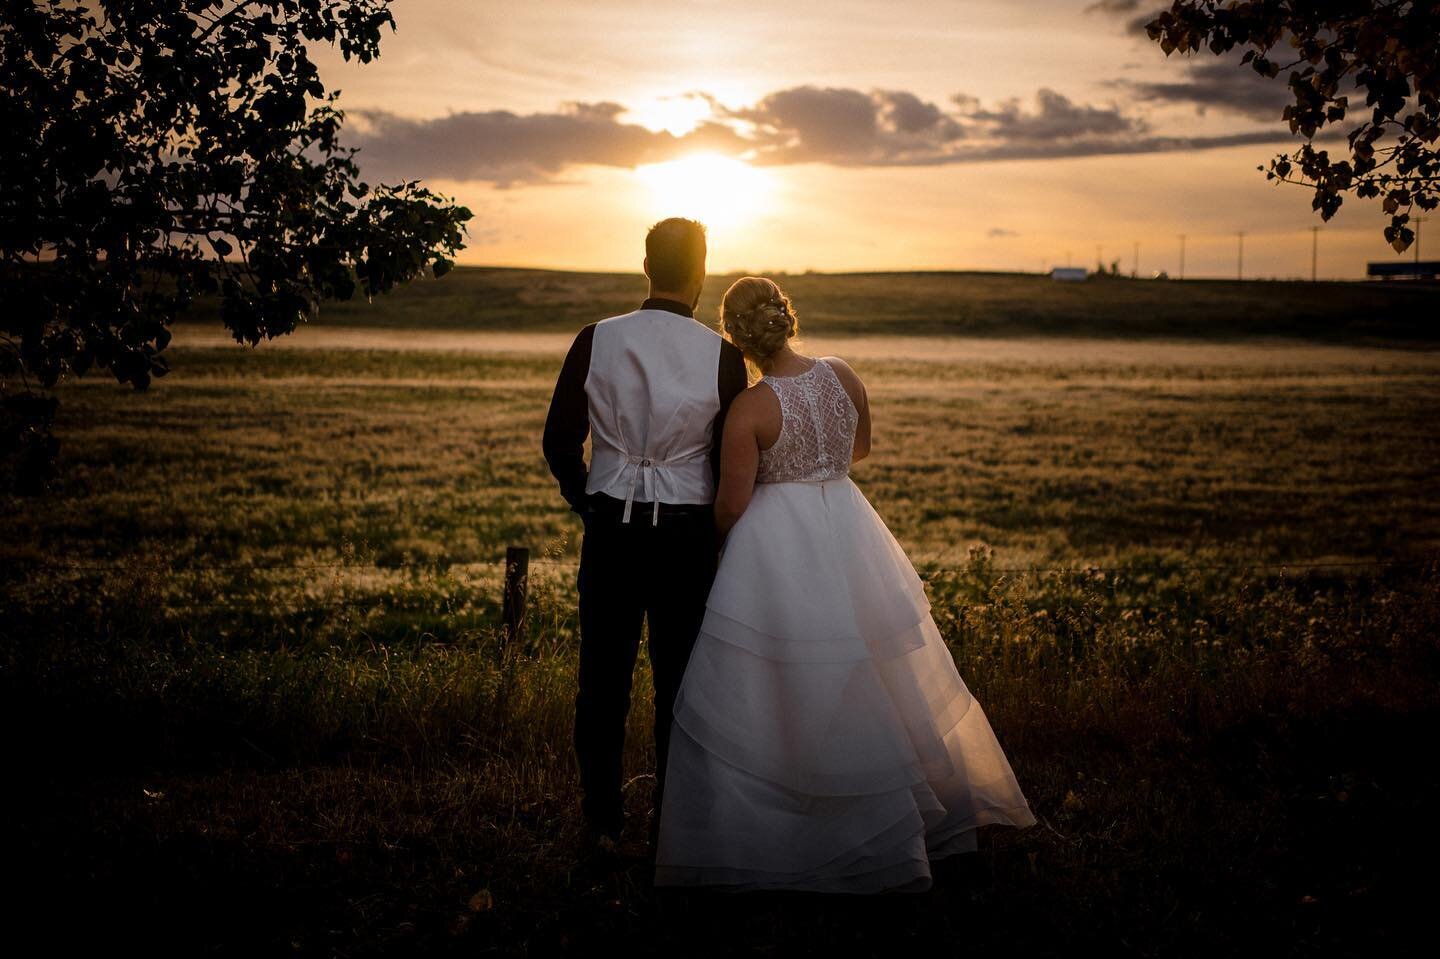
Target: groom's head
{"type": "Point", "coordinates": [675, 259]}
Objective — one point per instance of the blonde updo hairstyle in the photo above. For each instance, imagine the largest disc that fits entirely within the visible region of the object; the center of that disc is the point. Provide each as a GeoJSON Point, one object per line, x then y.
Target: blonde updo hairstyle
{"type": "Point", "coordinates": [758, 332]}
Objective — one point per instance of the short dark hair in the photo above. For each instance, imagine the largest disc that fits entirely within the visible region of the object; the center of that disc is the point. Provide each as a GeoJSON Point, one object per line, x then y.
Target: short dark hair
{"type": "Point", "coordinates": [675, 252]}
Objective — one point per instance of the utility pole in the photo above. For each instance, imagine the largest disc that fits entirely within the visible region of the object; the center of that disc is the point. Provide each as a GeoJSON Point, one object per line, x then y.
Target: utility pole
{"type": "Point", "coordinates": [1182, 256]}
{"type": "Point", "coordinates": [1240, 257]}
{"type": "Point", "coordinates": [1314, 250]}
{"type": "Point", "coordinates": [1135, 264]}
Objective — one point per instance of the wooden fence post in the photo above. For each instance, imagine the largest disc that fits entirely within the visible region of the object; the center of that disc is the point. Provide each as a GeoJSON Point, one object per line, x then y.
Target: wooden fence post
{"type": "Point", "coordinates": [517, 579]}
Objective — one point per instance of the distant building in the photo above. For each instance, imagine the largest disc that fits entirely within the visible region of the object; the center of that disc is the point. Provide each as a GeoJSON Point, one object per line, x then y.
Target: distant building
{"type": "Point", "coordinates": [1392, 270]}
{"type": "Point", "coordinates": [1068, 274]}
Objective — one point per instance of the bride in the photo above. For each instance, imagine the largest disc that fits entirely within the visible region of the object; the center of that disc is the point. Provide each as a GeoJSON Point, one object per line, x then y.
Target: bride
{"type": "Point", "coordinates": [823, 739]}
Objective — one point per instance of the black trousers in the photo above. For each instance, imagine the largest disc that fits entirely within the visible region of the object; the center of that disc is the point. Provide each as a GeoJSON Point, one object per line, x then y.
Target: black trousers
{"type": "Point", "coordinates": [631, 572]}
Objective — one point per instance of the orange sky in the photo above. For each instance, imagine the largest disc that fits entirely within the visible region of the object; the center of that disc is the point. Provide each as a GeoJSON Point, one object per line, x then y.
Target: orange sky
{"type": "Point", "coordinates": [838, 136]}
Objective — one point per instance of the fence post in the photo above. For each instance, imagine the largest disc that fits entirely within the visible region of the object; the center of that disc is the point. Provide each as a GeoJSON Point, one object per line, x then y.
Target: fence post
{"type": "Point", "coordinates": [517, 579]}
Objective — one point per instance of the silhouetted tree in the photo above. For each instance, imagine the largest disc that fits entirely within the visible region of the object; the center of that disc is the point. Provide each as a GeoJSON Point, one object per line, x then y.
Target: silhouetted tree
{"type": "Point", "coordinates": [1391, 50]}
{"type": "Point", "coordinates": [156, 150]}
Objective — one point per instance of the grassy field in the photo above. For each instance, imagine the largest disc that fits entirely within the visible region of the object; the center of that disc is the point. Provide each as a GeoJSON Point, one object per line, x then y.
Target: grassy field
{"type": "Point", "coordinates": [969, 304]}
{"type": "Point", "coordinates": [251, 651]}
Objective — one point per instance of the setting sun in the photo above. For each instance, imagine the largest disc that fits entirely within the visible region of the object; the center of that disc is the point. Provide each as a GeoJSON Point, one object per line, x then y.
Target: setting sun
{"type": "Point", "coordinates": [677, 115]}
{"type": "Point", "coordinates": [714, 189]}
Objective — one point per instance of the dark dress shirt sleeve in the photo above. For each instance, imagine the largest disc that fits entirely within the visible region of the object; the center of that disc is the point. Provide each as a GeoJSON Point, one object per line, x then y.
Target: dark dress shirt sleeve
{"type": "Point", "coordinates": [730, 382]}
{"type": "Point", "coordinates": [568, 422]}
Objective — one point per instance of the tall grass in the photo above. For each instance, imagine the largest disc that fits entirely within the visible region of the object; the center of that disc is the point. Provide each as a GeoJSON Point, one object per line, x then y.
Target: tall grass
{"type": "Point", "coordinates": [162, 690]}
{"type": "Point", "coordinates": [1154, 742]}
{"type": "Point", "coordinates": [251, 664]}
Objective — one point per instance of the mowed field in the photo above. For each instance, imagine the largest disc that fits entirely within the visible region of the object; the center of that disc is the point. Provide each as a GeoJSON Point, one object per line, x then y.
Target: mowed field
{"type": "Point", "coordinates": [1191, 576]}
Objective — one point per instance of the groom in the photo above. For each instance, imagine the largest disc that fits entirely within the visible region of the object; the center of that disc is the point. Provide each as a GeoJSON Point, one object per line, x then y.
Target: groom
{"type": "Point", "coordinates": [650, 388]}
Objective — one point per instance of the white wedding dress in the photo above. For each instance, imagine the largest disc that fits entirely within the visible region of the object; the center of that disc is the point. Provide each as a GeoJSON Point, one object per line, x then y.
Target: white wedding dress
{"type": "Point", "coordinates": [823, 739]}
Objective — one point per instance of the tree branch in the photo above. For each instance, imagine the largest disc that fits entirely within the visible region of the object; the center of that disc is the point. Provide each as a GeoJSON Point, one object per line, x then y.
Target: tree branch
{"type": "Point", "coordinates": [224, 18]}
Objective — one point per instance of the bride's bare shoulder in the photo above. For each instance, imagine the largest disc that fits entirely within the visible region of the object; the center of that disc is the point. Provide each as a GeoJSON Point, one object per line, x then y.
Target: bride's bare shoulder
{"type": "Point", "coordinates": [848, 377]}
{"type": "Point", "coordinates": [758, 399]}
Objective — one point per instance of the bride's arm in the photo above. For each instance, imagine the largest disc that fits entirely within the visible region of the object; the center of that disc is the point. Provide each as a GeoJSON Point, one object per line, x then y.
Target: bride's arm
{"type": "Point", "coordinates": [739, 459]}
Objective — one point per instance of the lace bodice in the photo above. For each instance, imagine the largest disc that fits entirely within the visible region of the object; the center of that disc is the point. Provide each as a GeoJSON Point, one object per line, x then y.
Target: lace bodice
{"type": "Point", "coordinates": [817, 431]}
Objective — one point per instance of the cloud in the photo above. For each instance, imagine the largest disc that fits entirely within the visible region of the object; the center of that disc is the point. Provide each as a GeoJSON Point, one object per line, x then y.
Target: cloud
{"type": "Point", "coordinates": [840, 126]}
{"type": "Point", "coordinates": [1134, 23]}
{"type": "Point", "coordinates": [895, 128]}
{"type": "Point", "coordinates": [1114, 6]}
{"type": "Point", "coordinates": [1223, 87]}
{"type": "Point", "coordinates": [1000, 233]}
{"type": "Point", "coordinates": [1116, 146]}
{"type": "Point", "coordinates": [1221, 82]}
{"type": "Point", "coordinates": [1135, 26]}
{"type": "Point", "coordinates": [844, 126]}
{"type": "Point", "coordinates": [1055, 119]}
{"type": "Point", "coordinates": [507, 148]}
{"type": "Point", "coordinates": [1224, 84]}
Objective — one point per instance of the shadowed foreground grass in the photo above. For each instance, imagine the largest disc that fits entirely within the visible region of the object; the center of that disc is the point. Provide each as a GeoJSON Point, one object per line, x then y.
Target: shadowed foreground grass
{"type": "Point", "coordinates": [1240, 774]}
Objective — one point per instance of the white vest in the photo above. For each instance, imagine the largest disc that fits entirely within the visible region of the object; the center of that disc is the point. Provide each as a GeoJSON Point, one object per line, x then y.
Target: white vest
{"type": "Point", "coordinates": [653, 397]}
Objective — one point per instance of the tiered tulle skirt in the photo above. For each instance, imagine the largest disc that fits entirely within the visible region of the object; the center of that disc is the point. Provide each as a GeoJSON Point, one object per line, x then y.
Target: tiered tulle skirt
{"type": "Point", "coordinates": [823, 739]}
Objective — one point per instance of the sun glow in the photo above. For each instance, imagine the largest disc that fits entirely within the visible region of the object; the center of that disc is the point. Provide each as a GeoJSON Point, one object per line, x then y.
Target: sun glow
{"type": "Point", "coordinates": [677, 115]}
{"type": "Point", "coordinates": [716, 190]}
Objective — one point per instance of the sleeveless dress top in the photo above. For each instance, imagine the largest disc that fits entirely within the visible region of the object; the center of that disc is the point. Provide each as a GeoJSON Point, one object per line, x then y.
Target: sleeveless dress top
{"type": "Point", "coordinates": [817, 431]}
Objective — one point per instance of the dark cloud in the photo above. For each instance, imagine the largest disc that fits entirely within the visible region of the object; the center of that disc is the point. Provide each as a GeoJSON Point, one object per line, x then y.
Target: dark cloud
{"type": "Point", "coordinates": [1136, 25]}
{"type": "Point", "coordinates": [506, 147]}
{"type": "Point", "coordinates": [891, 127]}
{"type": "Point", "coordinates": [1000, 233]}
{"type": "Point", "coordinates": [1223, 85]}
{"type": "Point", "coordinates": [1228, 85]}
{"type": "Point", "coordinates": [1115, 146]}
{"type": "Point", "coordinates": [907, 113]}
{"type": "Point", "coordinates": [1134, 22]}
{"type": "Point", "coordinates": [834, 125]}
{"type": "Point", "coordinates": [1220, 82]}
{"type": "Point", "coordinates": [1056, 118]}
{"type": "Point", "coordinates": [811, 122]}
{"type": "Point", "coordinates": [845, 126]}
{"type": "Point", "coordinates": [1113, 6]}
